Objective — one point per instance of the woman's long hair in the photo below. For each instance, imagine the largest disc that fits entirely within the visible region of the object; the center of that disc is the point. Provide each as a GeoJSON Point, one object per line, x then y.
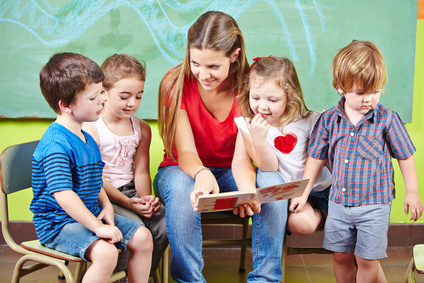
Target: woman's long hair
{"type": "Point", "coordinates": [213, 30]}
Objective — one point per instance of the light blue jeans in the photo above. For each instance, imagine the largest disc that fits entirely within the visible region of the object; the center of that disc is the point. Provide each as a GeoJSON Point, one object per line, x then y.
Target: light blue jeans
{"type": "Point", "coordinates": [183, 225]}
{"type": "Point", "coordinates": [184, 231]}
{"type": "Point", "coordinates": [75, 239]}
{"type": "Point", "coordinates": [268, 231]}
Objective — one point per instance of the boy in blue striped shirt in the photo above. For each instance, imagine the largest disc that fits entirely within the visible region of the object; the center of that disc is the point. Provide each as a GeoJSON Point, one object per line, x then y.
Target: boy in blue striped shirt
{"type": "Point", "coordinates": [72, 213]}
{"type": "Point", "coordinates": [359, 137]}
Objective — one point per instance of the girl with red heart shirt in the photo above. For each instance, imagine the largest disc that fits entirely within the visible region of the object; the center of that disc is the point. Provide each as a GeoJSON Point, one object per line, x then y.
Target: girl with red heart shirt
{"type": "Point", "coordinates": [274, 134]}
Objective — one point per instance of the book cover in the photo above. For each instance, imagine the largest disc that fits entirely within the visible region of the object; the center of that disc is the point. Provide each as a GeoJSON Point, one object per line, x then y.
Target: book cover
{"type": "Point", "coordinates": [230, 200]}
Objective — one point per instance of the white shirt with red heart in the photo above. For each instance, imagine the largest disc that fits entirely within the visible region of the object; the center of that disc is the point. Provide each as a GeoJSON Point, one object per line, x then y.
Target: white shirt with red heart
{"type": "Point", "coordinates": [291, 149]}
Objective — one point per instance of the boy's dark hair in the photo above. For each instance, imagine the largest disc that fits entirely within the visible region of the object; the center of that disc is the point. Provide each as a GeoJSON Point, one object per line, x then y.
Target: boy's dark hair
{"type": "Point", "coordinates": [65, 76]}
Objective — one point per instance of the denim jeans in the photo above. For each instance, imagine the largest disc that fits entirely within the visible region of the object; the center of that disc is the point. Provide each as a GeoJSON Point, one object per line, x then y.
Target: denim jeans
{"type": "Point", "coordinates": [183, 226]}
{"type": "Point", "coordinates": [268, 231]}
{"type": "Point", "coordinates": [75, 239]}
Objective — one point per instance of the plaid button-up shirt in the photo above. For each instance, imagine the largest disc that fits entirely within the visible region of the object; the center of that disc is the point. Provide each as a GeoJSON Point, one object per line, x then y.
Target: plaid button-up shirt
{"type": "Point", "coordinates": [360, 156]}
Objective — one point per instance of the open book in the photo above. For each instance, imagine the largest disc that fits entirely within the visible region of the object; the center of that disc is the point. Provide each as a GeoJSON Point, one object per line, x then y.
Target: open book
{"type": "Point", "coordinates": [230, 200]}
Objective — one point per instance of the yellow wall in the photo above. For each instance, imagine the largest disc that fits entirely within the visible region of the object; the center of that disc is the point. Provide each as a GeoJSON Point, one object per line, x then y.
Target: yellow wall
{"type": "Point", "coordinates": [21, 130]}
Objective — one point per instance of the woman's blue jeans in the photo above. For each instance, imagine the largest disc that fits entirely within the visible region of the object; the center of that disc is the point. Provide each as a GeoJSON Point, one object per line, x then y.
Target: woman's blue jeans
{"type": "Point", "coordinates": [268, 231]}
{"type": "Point", "coordinates": [183, 225]}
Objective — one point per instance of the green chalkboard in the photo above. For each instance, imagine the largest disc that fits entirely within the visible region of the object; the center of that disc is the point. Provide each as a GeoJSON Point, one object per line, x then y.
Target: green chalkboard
{"type": "Point", "coordinates": [307, 31]}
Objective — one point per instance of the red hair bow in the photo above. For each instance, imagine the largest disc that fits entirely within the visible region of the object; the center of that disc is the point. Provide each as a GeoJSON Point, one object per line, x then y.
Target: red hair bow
{"type": "Point", "coordinates": [257, 59]}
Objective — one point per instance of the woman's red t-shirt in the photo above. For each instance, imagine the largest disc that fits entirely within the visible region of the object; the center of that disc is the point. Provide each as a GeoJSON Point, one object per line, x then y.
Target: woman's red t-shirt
{"type": "Point", "coordinates": [215, 141]}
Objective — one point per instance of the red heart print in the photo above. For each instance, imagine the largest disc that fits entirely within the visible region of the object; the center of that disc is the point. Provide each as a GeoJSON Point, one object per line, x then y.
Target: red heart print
{"type": "Point", "coordinates": [285, 143]}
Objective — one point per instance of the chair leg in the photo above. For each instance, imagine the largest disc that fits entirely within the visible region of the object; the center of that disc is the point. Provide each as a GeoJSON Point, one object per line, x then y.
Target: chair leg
{"type": "Point", "coordinates": [283, 260]}
{"type": "Point", "coordinates": [156, 276]}
{"type": "Point", "coordinates": [165, 265]}
{"type": "Point", "coordinates": [46, 260]}
{"type": "Point", "coordinates": [80, 270]}
{"type": "Point", "coordinates": [118, 275]}
{"type": "Point", "coordinates": [409, 275]}
{"type": "Point", "coordinates": [243, 251]}
{"type": "Point", "coordinates": [17, 271]}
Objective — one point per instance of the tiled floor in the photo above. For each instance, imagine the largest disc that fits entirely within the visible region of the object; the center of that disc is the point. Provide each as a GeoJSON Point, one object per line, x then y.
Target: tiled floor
{"type": "Point", "coordinates": [221, 266]}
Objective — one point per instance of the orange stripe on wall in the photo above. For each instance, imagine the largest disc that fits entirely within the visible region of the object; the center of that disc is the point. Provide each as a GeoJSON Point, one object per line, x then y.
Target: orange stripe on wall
{"type": "Point", "coordinates": [420, 12]}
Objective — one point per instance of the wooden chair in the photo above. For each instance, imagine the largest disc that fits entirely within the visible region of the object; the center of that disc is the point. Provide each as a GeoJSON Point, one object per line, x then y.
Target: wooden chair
{"type": "Point", "coordinates": [416, 264]}
{"type": "Point", "coordinates": [15, 176]}
{"type": "Point", "coordinates": [228, 218]}
{"type": "Point", "coordinates": [220, 218]}
{"type": "Point", "coordinates": [289, 250]}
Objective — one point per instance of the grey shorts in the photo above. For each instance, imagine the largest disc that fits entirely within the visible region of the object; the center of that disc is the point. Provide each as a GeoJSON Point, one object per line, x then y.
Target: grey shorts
{"type": "Point", "coordinates": [361, 230]}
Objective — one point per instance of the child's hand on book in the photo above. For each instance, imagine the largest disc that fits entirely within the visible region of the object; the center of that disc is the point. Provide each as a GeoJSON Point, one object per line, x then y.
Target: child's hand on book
{"type": "Point", "coordinates": [246, 209]}
{"type": "Point", "coordinates": [297, 204]}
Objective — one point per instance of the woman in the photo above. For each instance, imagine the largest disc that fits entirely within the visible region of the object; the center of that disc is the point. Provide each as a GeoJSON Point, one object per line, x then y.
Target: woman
{"type": "Point", "coordinates": [197, 107]}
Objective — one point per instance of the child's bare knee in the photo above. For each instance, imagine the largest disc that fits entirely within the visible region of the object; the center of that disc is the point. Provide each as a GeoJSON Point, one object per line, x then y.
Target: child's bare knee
{"type": "Point", "coordinates": [141, 240]}
{"type": "Point", "coordinates": [303, 230]}
{"type": "Point", "coordinates": [343, 258]}
{"type": "Point", "coordinates": [301, 225]}
{"type": "Point", "coordinates": [102, 251]}
{"type": "Point", "coordinates": [366, 263]}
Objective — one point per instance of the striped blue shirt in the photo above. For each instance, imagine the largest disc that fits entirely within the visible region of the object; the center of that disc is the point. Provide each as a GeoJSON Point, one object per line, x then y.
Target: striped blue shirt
{"type": "Point", "coordinates": [62, 161]}
{"type": "Point", "coordinates": [360, 156]}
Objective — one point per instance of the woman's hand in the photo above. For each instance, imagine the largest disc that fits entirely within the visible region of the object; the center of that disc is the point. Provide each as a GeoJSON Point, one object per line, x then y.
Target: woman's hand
{"type": "Point", "coordinates": [205, 183]}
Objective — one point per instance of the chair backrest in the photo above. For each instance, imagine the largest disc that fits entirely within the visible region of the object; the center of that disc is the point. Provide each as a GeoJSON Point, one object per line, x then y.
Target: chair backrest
{"type": "Point", "coordinates": [15, 175]}
{"type": "Point", "coordinates": [16, 167]}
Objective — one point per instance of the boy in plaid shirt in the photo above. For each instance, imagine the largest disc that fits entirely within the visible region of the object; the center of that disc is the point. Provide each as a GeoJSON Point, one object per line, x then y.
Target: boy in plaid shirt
{"type": "Point", "coordinates": [358, 137]}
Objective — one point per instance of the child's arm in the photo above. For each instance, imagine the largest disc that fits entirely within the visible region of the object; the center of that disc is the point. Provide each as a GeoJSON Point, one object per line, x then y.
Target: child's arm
{"type": "Point", "coordinates": [244, 174]}
{"type": "Point", "coordinates": [119, 198]}
{"type": "Point", "coordinates": [412, 199]}
{"type": "Point", "coordinates": [141, 162]}
{"type": "Point", "coordinates": [107, 214]}
{"type": "Point", "coordinates": [72, 204]}
{"type": "Point", "coordinates": [312, 169]}
{"type": "Point", "coordinates": [142, 178]}
{"type": "Point", "coordinates": [257, 146]}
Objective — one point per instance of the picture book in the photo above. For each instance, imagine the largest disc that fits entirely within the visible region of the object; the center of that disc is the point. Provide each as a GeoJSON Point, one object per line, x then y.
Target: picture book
{"type": "Point", "coordinates": [230, 200]}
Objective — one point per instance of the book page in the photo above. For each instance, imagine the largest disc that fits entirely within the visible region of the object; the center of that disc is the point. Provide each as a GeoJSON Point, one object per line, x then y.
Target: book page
{"type": "Point", "coordinates": [229, 200]}
{"type": "Point", "coordinates": [224, 201]}
{"type": "Point", "coordinates": [282, 191]}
